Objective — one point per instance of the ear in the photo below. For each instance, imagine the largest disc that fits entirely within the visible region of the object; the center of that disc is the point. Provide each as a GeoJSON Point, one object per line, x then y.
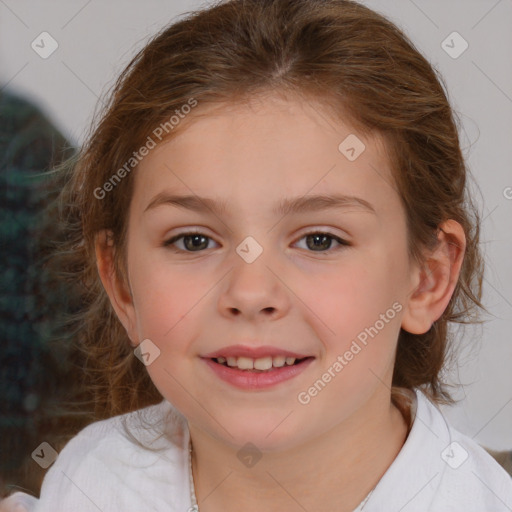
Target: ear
{"type": "Point", "coordinates": [435, 281]}
{"type": "Point", "coordinates": [118, 291]}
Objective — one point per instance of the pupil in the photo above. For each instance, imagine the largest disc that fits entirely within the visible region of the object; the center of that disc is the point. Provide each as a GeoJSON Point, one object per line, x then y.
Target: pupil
{"type": "Point", "coordinates": [324, 238]}
{"type": "Point", "coordinates": [196, 238]}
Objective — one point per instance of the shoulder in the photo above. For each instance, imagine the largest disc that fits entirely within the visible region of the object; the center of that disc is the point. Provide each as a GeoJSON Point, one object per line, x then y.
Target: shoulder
{"type": "Point", "coordinates": [440, 468]}
{"type": "Point", "coordinates": [471, 474]}
{"type": "Point", "coordinates": [129, 462]}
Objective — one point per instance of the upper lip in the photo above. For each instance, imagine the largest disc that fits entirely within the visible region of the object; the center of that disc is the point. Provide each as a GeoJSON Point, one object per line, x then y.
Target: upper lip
{"type": "Point", "coordinates": [253, 352]}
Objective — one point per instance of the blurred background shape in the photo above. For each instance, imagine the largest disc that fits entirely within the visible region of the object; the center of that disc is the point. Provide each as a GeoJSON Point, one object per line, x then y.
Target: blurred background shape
{"type": "Point", "coordinates": [36, 360]}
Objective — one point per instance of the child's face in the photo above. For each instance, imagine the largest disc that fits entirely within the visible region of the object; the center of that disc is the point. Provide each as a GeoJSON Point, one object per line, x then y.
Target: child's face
{"type": "Point", "coordinates": [306, 295]}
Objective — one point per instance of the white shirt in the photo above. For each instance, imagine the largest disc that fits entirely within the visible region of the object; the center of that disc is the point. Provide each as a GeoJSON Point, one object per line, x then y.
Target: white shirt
{"type": "Point", "coordinates": [437, 470]}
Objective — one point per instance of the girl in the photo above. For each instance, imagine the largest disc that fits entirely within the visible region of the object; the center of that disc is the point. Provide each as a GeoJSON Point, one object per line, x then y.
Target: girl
{"type": "Point", "coordinates": [275, 202]}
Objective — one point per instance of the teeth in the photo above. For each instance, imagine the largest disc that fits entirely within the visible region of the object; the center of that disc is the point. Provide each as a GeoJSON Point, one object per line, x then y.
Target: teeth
{"type": "Point", "coordinates": [278, 361]}
{"type": "Point", "coordinates": [245, 363]}
{"type": "Point", "coordinates": [262, 364]}
{"type": "Point", "coordinates": [265, 363]}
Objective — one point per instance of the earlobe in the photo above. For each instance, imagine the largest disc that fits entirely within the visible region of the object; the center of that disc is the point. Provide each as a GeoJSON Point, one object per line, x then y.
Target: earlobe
{"type": "Point", "coordinates": [117, 290]}
{"type": "Point", "coordinates": [435, 280]}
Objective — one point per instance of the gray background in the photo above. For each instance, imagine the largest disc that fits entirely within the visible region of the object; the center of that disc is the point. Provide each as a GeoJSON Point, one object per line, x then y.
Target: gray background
{"type": "Point", "coordinates": [97, 38]}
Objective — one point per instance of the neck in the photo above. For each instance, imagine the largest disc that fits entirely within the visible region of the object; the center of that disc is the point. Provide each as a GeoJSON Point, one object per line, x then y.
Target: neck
{"type": "Point", "coordinates": [335, 471]}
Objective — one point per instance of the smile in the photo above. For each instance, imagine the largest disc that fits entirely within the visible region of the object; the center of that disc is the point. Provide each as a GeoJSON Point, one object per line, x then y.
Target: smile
{"type": "Point", "coordinates": [257, 374]}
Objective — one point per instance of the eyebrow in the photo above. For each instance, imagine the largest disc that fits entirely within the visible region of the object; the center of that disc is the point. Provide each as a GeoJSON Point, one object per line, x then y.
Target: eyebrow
{"type": "Point", "coordinates": [302, 204]}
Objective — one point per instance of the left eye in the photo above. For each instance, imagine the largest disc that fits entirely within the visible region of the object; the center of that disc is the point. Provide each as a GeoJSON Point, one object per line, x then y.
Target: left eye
{"type": "Point", "coordinates": [317, 241]}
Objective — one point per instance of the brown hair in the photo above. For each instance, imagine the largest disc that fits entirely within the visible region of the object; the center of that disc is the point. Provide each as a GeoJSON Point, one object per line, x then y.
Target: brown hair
{"type": "Point", "coordinates": [346, 56]}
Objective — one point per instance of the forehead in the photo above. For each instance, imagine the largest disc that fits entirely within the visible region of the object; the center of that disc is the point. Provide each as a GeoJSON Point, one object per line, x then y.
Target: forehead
{"type": "Point", "coordinates": [264, 149]}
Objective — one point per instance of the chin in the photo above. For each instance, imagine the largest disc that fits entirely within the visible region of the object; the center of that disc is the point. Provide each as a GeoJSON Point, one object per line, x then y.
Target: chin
{"type": "Point", "coordinates": [267, 432]}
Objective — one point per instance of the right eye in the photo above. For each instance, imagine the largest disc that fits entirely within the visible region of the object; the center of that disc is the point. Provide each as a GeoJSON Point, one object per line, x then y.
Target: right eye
{"type": "Point", "coordinates": [192, 242]}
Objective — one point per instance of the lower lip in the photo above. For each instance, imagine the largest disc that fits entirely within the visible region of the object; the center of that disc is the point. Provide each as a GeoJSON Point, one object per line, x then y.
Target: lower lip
{"type": "Point", "coordinates": [247, 379]}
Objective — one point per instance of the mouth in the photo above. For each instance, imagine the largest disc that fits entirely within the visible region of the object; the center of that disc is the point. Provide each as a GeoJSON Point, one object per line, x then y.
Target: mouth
{"type": "Point", "coordinates": [256, 369]}
{"type": "Point", "coordinates": [253, 368]}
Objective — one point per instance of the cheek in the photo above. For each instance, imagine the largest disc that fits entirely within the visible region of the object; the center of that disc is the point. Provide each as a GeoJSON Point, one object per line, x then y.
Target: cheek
{"type": "Point", "coordinates": [165, 297]}
{"type": "Point", "coordinates": [355, 312]}
{"type": "Point", "coordinates": [167, 308]}
{"type": "Point", "coordinates": [344, 301]}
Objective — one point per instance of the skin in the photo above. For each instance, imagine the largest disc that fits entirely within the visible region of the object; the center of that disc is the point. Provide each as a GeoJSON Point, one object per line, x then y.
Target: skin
{"type": "Point", "coordinates": [329, 453]}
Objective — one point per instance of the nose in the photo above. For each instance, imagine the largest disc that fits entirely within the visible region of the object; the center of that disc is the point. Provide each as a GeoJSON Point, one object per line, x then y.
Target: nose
{"type": "Point", "coordinates": [254, 290]}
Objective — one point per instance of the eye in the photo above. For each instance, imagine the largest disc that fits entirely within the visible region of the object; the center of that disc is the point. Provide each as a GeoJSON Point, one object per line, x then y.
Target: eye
{"type": "Point", "coordinates": [192, 241]}
{"type": "Point", "coordinates": [320, 241]}
{"type": "Point", "coordinates": [316, 241]}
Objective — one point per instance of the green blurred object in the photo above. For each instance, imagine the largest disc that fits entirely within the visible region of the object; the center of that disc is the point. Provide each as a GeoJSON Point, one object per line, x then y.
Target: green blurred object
{"type": "Point", "coordinates": [32, 369]}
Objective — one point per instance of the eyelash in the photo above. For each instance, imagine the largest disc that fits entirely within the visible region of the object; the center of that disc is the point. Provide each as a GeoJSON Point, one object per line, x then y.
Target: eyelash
{"type": "Point", "coordinates": [169, 243]}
